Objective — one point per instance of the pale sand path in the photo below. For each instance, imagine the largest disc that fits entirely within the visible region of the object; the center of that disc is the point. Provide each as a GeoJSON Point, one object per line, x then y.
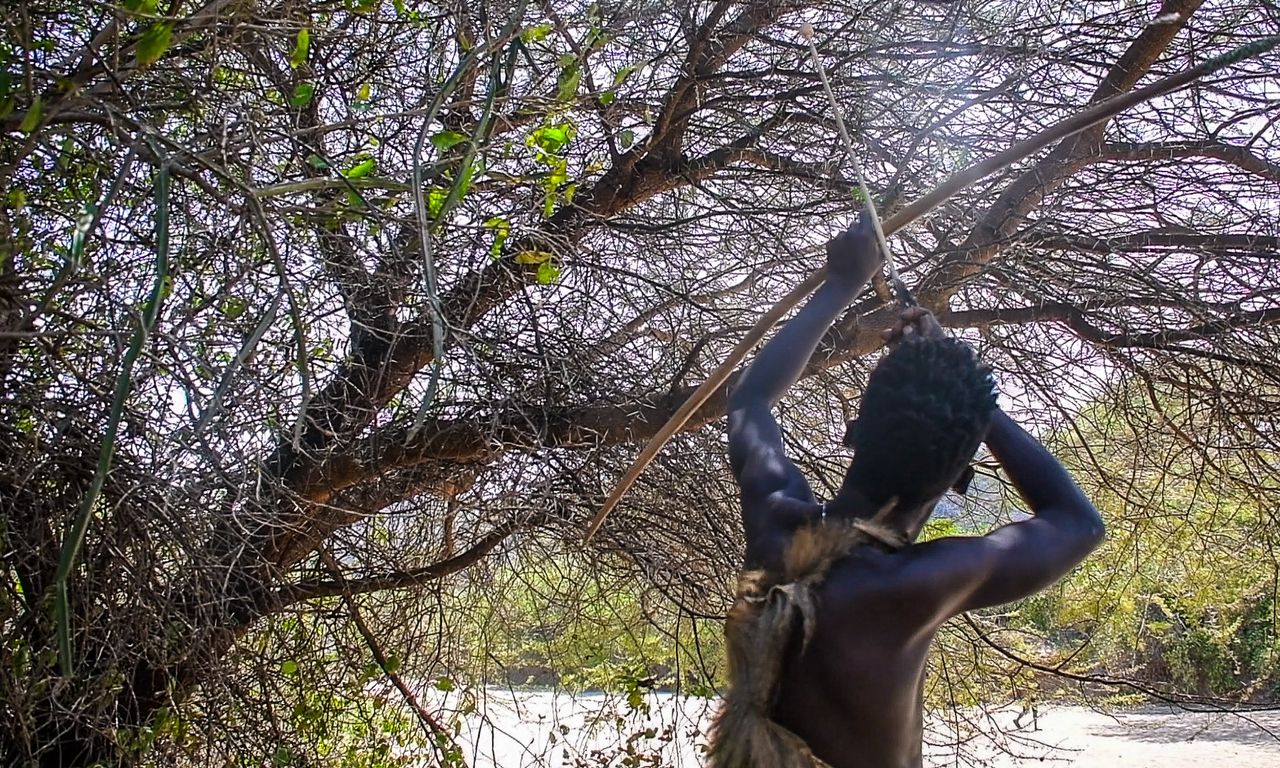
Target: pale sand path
{"type": "Point", "coordinates": [532, 729]}
{"type": "Point", "coordinates": [1157, 737]}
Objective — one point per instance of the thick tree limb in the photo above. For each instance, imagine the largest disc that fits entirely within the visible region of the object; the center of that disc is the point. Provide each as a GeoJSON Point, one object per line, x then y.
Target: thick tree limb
{"type": "Point", "coordinates": [708, 51]}
{"type": "Point", "coordinates": [385, 363]}
{"type": "Point", "coordinates": [1240, 157]}
{"type": "Point", "coordinates": [459, 441]}
{"type": "Point", "coordinates": [1260, 246]}
{"type": "Point", "coordinates": [1076, 318]}
{"type": "Point", "coordinates": [1009, 210]}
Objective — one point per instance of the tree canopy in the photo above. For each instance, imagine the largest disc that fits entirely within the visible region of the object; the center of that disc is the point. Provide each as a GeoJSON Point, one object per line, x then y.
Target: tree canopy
{"type": "Point", "coordinates": [312, 312]}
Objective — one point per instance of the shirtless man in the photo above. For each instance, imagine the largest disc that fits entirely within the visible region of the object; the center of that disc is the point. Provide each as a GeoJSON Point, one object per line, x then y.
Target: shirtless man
{"type": "Point", "coordinates": [853, 692]}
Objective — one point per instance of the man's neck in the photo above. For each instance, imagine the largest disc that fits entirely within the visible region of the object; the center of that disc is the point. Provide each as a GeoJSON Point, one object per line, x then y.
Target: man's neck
{"type": "Point", "coordinates": [850, 503]}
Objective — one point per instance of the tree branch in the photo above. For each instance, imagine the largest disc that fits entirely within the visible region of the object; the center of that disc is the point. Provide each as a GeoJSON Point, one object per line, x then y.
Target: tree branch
{"type": "Point", "coordinates": [415, 577]}
{"type": "Point", "coordinates": [1259, 246]}
{"type": "Point", "coordinates": [1010, 209]}
{"type": "Point", "coordinates": [1077, 320]}
{"type": "Point", "coordinates": [707, 53]}
{"type": "Point", "coordinates": [1241, 157]}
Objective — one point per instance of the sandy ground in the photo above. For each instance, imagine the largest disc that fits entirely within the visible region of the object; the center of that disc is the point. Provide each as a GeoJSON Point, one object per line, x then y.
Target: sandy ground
{"type": "Point", "coordinates": [515, 729]}
{"type": "Point", "coordinates": [1152, 737]}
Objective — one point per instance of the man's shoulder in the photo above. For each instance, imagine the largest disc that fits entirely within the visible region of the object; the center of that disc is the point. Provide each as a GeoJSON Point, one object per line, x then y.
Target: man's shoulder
{"type": "Point", "coordinates": [865, 571]}
{"type": "Point", "coordinates": [871, 573]}
{"type": "Point", "coordinates": [906, 591]}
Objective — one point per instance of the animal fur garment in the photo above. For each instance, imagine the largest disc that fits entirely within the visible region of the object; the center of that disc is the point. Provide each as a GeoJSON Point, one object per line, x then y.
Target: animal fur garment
{"type": "Point", "coordinates": [757, 633]}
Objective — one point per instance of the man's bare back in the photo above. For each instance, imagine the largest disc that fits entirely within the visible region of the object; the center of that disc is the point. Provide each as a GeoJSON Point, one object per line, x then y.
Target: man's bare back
{"type": "Point", "coordinates": [856, 690]}
{"type": "Point", "coordinates": [853, 693]}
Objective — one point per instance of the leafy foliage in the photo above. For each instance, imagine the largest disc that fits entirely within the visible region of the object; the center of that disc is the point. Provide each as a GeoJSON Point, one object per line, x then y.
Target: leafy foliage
{"type": "Point", "coordinates": [1183, 595]}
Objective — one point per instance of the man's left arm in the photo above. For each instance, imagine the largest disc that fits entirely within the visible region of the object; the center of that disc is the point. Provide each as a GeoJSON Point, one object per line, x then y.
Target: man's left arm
{"type": "Point", "coordinates": [755, 441]}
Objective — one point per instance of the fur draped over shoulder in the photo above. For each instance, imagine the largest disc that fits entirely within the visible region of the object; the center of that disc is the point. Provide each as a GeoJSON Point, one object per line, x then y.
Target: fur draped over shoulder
{"type": "Point", "coordinates": [758, 630]}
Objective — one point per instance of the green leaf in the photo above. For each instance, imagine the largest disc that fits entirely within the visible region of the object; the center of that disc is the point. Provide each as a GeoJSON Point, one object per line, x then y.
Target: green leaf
{"type": "Point", "coordinates": [559, 173]}
{"type": "Point", "coordinates": [32, 121]}
{"type": "Point", "coordinates": [17, 199]}
{"type": "Point", "coordinates": [302, 94]}
{"type": "Point", "coordinates": [289, 667]}
{"type": "Point", "coordinates": [283, 757]}
{"type": "Point", "coordinates": [363, 6]}
{"type": "Point", "coordinates": [626, 139]}
{"type": "Point", "coordinates": [551, 139]}
{"type": "Point", "coordinates": [153, 43]}
{"type": "Point", "coordinates": [535, 34]}
{"type": "Point", "coordinates": [435, 201]}
{"type": "Point", "coordinates": [301, 47]}
{"type": "Point", "coordinates": [468, 175]}
{"type": "Point", "coordinates": [555, 138]}
{"type": "Point", "coordinates": [608, 97]}
{"type": "Point", "coordinates": [317, 162]}
{"type": "Point", "coordinates": [444, 140]}
{"type": "Point", "coordinates": [232, 308]}
{"type": "Point", "coordinates": [621, 75]}
{"type": "Point", "coordinates": [548, 273]}
{"type": "Point", "coordinates": [567, 85]}
{"type": "Point", "coordinates": [532, 257]}
{"type": "Point", "coordinates": [393, 664]}
{"type": "Point", "coordinates": [502, 230]}
{"type": "Point", "coordinates": [361, 169]}
{"type": "Point", "coordinates": [141, 6]}
{"type": "Point", "coordinates": [363, 96]}
{"type": "Point", "coordinates": [85, 220]}
{"type": "Point", "coordinates": [445, 684]}
{"type": "Point", "coordinates": [67, 154]}
{"type": "Point", "coordinates": [552, 184]}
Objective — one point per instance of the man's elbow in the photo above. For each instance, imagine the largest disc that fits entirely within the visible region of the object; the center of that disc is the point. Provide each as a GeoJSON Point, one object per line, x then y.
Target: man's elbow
{"type": "Point", "coordinates": [740, 397]}
{"type": "Point", "coordinates": [1091, 530]}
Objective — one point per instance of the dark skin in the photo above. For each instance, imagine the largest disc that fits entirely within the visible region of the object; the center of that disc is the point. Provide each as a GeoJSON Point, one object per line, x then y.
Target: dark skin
{"type": "Point", "coordinates": [855, 693]}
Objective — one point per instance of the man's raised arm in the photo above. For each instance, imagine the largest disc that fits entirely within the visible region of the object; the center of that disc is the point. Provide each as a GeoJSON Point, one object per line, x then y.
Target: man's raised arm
{"type": "Point", "coordinates": [852, 258]}
{"type": "Point", "coordinates": [1022, 558]}
{"type": "Point", "coordinates": [1025, 557]}
{"type": "Point", "coordinates": [957, 574]}
{"type": "Point", "coordinates": [766, 476]}
{"type": "Point", "coordinates": [1044, 483]}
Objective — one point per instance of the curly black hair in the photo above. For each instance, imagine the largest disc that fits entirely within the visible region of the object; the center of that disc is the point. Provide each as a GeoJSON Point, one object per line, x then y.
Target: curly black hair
{"type": "Point", "coordinates": [926, 408]}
